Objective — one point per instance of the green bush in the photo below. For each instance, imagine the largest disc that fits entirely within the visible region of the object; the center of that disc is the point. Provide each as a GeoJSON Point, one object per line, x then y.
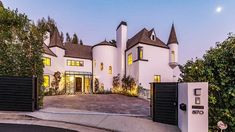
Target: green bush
{"type": "Point", "coordinates": [21, 47]}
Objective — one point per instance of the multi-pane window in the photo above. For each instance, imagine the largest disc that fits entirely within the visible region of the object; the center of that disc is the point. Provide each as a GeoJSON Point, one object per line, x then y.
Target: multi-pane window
{"type": "Point", "coordinates": [173, 56]}
{"type": "Point", "coordinates": [46, 61]}
{"type": "Point", "coordinates": [46, 81]}
{"type": "Point", "coordinates": [102, 66]}
{"type": "Point", "coordinates": [75, 63]}
{"type": "Point", "coordinates": [157, 78]}
{"type": "Point", "coordinates": [130, 59]}
{"type": "Point", "coordinates": [110, 70]}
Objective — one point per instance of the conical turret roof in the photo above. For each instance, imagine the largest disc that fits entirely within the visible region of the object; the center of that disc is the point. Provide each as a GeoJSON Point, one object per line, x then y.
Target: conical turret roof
{"type": "Point", "coordinates": [172, 38]}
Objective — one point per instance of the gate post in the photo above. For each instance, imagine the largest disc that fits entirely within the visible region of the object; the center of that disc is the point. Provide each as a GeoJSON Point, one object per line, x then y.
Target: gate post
{"type": "Point", "coordinates": [193, 107]}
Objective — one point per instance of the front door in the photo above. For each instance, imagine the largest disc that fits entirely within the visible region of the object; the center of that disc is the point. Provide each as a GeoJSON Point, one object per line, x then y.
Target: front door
{"type": "Point", "coordinates": [78, 84]}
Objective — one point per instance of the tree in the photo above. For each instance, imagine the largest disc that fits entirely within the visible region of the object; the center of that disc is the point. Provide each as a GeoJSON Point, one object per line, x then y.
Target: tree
{"type": "Point", "coordinates": [81, 42]}
{"type": "Point", "coordinates": [218, 68]}
{"type": "Point", "coordinates": [128, 83]}
{"type": "Point", "coordinates": [62, 36]}
{"type": "Point", "coordinates": [56, 81]}
{"type": "Point", "coordinates": [68, 39]}
{"type": "Point", "coordinates": [21, 47]}
{"type": "Point", "coordinates": [75, 39]}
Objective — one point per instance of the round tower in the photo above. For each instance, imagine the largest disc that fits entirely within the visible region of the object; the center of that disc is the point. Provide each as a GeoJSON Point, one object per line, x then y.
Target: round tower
{"type": "Point", "coordinates": [173, 45]}
{"type": "Point", "coordinates": [104, 64]}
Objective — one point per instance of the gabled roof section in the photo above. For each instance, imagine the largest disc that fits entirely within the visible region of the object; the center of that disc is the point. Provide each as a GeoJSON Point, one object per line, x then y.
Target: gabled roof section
{"type": "Point", "coordinates": [143, 37]}
{"type": "Point", "coordinates": [55, 40]}
{"type": "Point", "coordinates": [46, 50]}
{"type": "Point", "coordinates": [78, 51]}
{"type": "Point", "coordinates": [172, 38]}
{"type": "Point", "coordinates": [105, 43]}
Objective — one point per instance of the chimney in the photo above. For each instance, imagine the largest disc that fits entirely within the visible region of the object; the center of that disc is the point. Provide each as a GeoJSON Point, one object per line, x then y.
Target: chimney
{"type": "Point", "coordinates": [121, 38]}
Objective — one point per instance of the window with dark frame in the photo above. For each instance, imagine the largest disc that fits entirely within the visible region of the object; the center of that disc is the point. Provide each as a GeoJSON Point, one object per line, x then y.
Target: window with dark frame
{"type": "Point", "coordinates": [140, 53]}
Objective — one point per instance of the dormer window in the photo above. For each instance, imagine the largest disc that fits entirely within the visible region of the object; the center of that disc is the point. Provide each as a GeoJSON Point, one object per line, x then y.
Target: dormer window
{"type": "Point", "coordinates": [152, 37]}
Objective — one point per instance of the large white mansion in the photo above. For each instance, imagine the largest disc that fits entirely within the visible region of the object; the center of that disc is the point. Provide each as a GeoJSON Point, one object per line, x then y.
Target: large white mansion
{"type": "Point", "coordinates": [144, 57]}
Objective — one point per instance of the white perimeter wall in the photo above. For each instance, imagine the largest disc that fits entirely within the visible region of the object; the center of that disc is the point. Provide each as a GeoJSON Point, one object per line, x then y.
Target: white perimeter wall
{"type": "Point", "coordinates": [107, 55]}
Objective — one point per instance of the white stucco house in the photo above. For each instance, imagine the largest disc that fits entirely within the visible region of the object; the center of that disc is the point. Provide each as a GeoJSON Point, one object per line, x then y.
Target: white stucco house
{"type": "Point", "coordinates": [144, 57]}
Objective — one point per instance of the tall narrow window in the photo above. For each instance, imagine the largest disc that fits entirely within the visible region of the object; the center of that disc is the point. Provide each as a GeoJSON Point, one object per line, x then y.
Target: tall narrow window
{"type": "Point", "coordinates": [173, 56]}
{"type": "Point", "coordinates": [46, 61]}
{"type": "Point", "coordinates": [46, 81]}
{"type": "Point", "coordinates": [130, 59]}
{"type": "Point", "coordinates": [102, 66]}
{"type": "Point", "coordinates": [140, 52]}
{"type": "Point", "coordinates": [110, 70]}
{"type": "Point", "coordinates": [157, 78]}
{"type": "Point", "coordinates": [94, 62]}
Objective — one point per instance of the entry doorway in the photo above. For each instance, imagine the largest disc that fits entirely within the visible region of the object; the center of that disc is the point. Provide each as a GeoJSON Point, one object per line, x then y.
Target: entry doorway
{"type": "Point", "coordinates": [78, 86]}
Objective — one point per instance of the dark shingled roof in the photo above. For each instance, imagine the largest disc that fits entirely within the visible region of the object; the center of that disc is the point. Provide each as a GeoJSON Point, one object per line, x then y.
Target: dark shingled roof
{"type": "Point", "coordinates": [172, 38]}
{"type": "Point", "coordinates": [78, 51]}
{"type": "Point", "coordinates": [55, 40]}
{"type": "Point", "coordinates": [105, 43]}
{"type": "Point", "coordinates": [144, 37]}
{"type": "Point", "coordinates": [47, 50]}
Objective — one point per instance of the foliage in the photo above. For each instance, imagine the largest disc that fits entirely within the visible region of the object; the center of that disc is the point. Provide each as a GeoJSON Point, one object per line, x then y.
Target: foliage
{"type": "Point", "coordinates": [128, 82]}
{"type": "Point", "coordinates": [75, 39]}
{"type": "Point", "coordinates": [218, 68]}
{"type": "Point", "coordinates": [116, 81]}
{"type": "Point", "coordinates": [56, 81]}
{"type": "Point", "coordinates": [68, 38]}
{"type": "Point", "coordinates": [96, 84]}
{"type": "Point", "coordinates": [62, 36]}
{"type": "Point", "coordinates": [21, 47]}
{"type": "Point", "coordinates": [81, 42]}
{"type": "Point", "coordinates": [128, 86]}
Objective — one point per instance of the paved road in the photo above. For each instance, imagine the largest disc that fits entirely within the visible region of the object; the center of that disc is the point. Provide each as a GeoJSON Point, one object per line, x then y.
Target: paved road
{"type": "Point", "coordinates": [29, 128]}
{"type": "Point", "coordinates": [108, 103]}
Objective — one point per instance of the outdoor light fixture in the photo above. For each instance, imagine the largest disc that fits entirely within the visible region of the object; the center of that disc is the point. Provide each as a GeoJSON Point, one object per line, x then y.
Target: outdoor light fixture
{"type": "Point", "coordinates": [197, 91]}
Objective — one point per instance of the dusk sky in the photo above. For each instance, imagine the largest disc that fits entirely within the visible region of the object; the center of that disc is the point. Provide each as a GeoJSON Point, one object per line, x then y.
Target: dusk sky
{"type": "Point", "coordinates": [199, 23]}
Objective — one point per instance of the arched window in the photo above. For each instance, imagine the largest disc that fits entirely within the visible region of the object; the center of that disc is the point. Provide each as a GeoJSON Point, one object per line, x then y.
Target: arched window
{"type": "Point", "coordinates": [110, 70]}
{"type": "Point", "coordinates": [101, 66]}
{"type": "Point", "coordinates": [173, 56]}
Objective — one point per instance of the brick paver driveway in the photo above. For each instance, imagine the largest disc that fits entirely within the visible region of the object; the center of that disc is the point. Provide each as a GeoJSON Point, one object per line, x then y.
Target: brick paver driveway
{"type": "Point", "coordinates": [109, 103]}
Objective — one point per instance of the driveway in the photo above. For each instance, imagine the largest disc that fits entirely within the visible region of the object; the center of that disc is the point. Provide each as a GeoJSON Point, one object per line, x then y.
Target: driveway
{"type": "Point", "coordinates": [108, 103]}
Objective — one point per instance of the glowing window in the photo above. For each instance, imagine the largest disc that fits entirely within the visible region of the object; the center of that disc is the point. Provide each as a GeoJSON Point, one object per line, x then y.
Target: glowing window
{"type": "Point", "coordinates": [46, 61]}
{"type": "Point", "coordinates": [173, 56]}
{"type": "Point", "coordinates": [101, 66]}
{"type": "Point", "coordinates": [157, 78]}
{"type": "Point", "coordinates": [130, 59]}
{"type": "Point", "coordinates": [110, 70]}
{"type": "Point", "coordinates": [75, 63]}
{"type": "Point", "coordinates": [141, 53]}
{"type": "Point", "coordinates": [46, 81]}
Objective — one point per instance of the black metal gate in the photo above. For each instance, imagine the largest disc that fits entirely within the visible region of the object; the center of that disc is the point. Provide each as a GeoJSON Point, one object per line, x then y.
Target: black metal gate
{"type": "Point", "coordinates": [164, 100]}
{"type": "Point", "coordinates": [18, 93]}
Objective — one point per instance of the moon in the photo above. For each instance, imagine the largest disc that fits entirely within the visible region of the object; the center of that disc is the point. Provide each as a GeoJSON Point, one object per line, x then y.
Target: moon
{"type": "Point", "coordinates": [219, 9]}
